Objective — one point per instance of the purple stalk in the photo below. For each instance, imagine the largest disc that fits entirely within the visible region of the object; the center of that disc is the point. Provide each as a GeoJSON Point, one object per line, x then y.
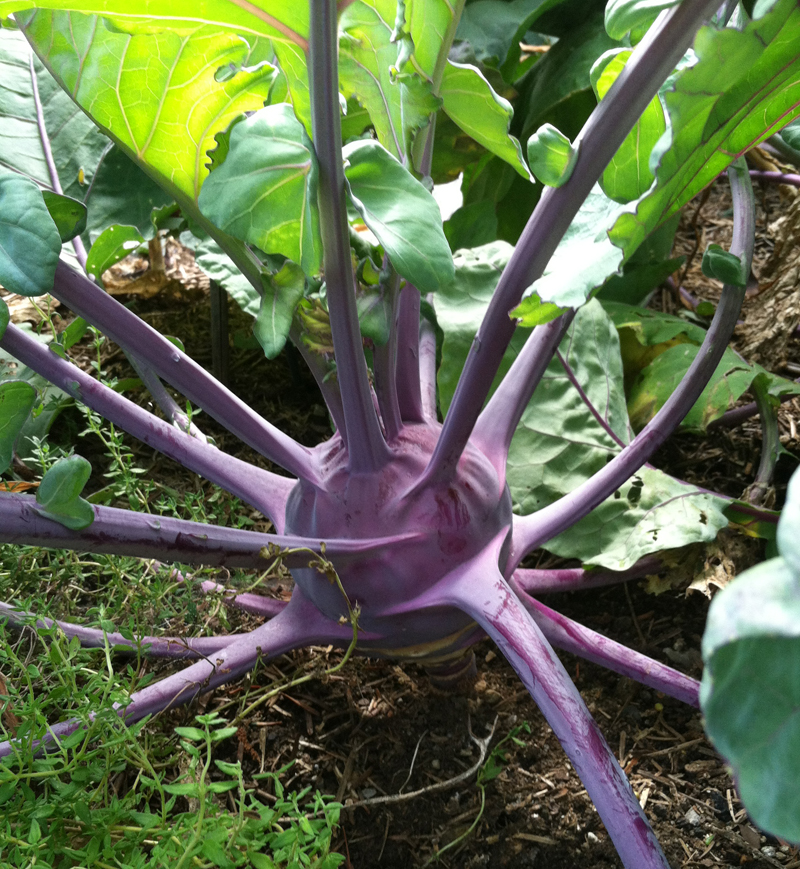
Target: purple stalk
{"type": "Point", "coordinates": [407, 375]}
{"type": "Point", "coordinates": [777, 177]}
{"type": "Point", "coordinates": [499, 420]}
{"type": "Point", "coordinates": [132, 334]}
{"type": "Point", "coordinates": [164, 400]}
{"type": "Point", "coordinates": [262, 489]}
{"type": "Point", "coordinates": [652, 61]}
{"type": "Point", "coordinates": [739, 414]}
{"type": "Point", "coordinates": [94, 638]}
{"type": "Point", "coordinates": [367, 451]}
{"type": "Point", "coordinates": [534, 530]}
{"type": "Point", "coordinates": [300, 624]}
{"type": "Point", "coordinates": [142, 535]}
{"type": "Point", "coordinates": [479, 589]}
{"type": "Point", "coordinates": [427, 369]}
{"type": "Point", "coordinates": [770, 445]}
{"type": "Point", "coordinates": [540, 581]}
{"type": "Point", "coordinates": [327, 385]}
{"type": "Point", "coordinates": [384, 367]}
{"type": "Point", "coordinates": [245, 601]}
{"type": "Point", "coordinates": [567, 634]}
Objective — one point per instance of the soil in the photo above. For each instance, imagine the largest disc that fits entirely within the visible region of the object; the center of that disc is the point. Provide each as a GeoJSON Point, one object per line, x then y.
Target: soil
{"type": "Point", "coordinates": [377, 730]}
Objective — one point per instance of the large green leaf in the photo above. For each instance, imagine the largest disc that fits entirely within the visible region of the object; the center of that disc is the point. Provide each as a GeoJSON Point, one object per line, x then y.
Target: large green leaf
{"type": "Point", "coordinates": [560, 442]}
{"type": "Point", "coordinates": [470, 101]}
{"type": "Point", "coordinates": [265, 192]}
{"type": "Point", "coordinates": [584, 258]}
{"type": "Point", "coordinates": [107, 71]}
{"type": "Point", "coordinates": [744, 87]}
{"type": "Point", "coordinates": [650, 513]}
{"type": "Point", "coordinates": [399, 101]}
{"type": "Point", "coordinates": [210, 257]}
{"type": "Point", "coordinates": [58, 496]}
{"type": "Point", "coordinates": [29, 241]}
{"type": "Point", "coordinates": [750, 693]}
{"type": "Point", "coordinates": [16, 402]}
{"type": "Point", "coordinates": [401, 213]}
{"type": "Point", "coordinates": [428, 22]}
{"type": "Point", "coordinates": [75, 142]}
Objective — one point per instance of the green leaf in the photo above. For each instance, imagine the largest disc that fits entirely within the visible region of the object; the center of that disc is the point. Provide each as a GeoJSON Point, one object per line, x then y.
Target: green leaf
{"type": "Point", "coordinates": [68, 214]}
{"type": "Point", "coordinates": [75, 142]}
{"type": "Point", "coordinates": [551, 156]}
{"type": "Point", "coordinates": [107, 70]}
{"type": "Point", "coordinates": [29, 241]}
{"type": "Point", "coordinates": [742, 89]}
{"type": "Point", "coordinates": [282, 292]}
{"type": "Point", "coordinates": [622, 16]}
{"type": "Point", "coordinates": [265, 192]}
{"type": "Point", "coordinates": [470, 101]}
{"type": "Point", "coordinates": [401, 213]}
{"type": "Point", "coordinates": [4, 317]}
{"type": "Point", "coordinates": [628, 175]}
{"type": "Point", "coordinates": [791, 135]}
{"type": "Point", "coordinates": [193, 733]}
{"type": "Point", "coordinates": [183, 789]}
{"type": "Point", "coordinates": [428, 22]}
{"type": "Point", "coordinates": [112, 245]}
{"type": "Point", "coordinates": [724, 266]}
{"type": "Point", "coordinates": [58, 496]}
{"type": "Point", "coordinates": [210, 257]}
{"type": "Point", "coordinates": [123, 194]}
{"type": "Point", "coordinates": [750, 693]}
{"type": "Point", "coordinates": [16, 402]}
{"type": "Point", "coordinates": [536, 311]}
{"type": "Point", "coordinates": [584, 258]}
{"type": "Point", "coordinates": [398, 100]}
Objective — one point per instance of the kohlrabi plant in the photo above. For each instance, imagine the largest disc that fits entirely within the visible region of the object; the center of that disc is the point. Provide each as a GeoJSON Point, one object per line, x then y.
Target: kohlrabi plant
{"type": "Point", "coordinates": [476, 398]}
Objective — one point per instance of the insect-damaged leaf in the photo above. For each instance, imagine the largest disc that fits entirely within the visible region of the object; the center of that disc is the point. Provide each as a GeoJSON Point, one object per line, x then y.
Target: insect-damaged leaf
{"type": "Point", "coordinates": [401, 213]}
{"type": "Point", "coordinates": [58, 496]}
{"type": "Point", "coordinates": [265, 192]}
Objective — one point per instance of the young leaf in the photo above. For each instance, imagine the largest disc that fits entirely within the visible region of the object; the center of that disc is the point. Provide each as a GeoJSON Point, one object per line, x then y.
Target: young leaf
{"type": "Point", "coordinates": [401, 213]}
{"type": "Point", "coordinates": [265, 192]}
{"type": "Point", "coordinates": [16, 402]}
{"type": "Point", "coordinates": [750, 691]}
{"type": "Point", "coordinates": [398, 100]}
{"type": "Point", "coordinates": [112, 245]}
{"type": "Point", "coordinates": [472, 103]}
{"type": "Point", "coordinates": [628, 175]}
{"type": "Point", "coordinates": [68, 214]}
{"type": "Point", "coordinates": [724, 266]}
{"type": "Point", "coordinates": [282, 292]}
{"type": "Point", "coordinates": [29, 240]}
{"type": "Point", "coordinates": [741, 90]}
{"type": "Point", "coordinates": [551, 156]}
{"type": "Point", "coordinates": [58, 496]}
{"type": "Point", "coordinates": [622, 16]}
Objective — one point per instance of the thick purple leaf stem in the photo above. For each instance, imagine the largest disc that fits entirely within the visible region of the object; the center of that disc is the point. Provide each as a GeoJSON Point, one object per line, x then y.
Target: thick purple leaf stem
{"type": "Point", "coordinates": [300, 624]}
{"type": "Point", "coordinates": [407, 375]}
{"type": "Point", "coordinates": [483, 593]}
{"type": "Point", "coordinates": [384, 359]}
{"type": "Point", "coordinates": [538, 581]}
{"type": "Point", "coordinates": [427, 369]}
{"type": "Point", "coordinates": [534, 530]}
{"type": "Point", "coordinates": [132, 334]}
{"type": "Point", "coordinates": [262, 489]}
{"type": "Point", "coordinates": [367, 450]}
{"type": "Point", "coordinates": [95, 638]}
{"type": "Point", "coordinates": [573, 637]}
{"type": "Point", "coordinates": [257, 604]}
{"type": "Point", "coordinates": [499, 420]}
{"type": "Point", "coordinates": [652, 61]}
{"type": "Point", "coordinates": [143, 535]}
